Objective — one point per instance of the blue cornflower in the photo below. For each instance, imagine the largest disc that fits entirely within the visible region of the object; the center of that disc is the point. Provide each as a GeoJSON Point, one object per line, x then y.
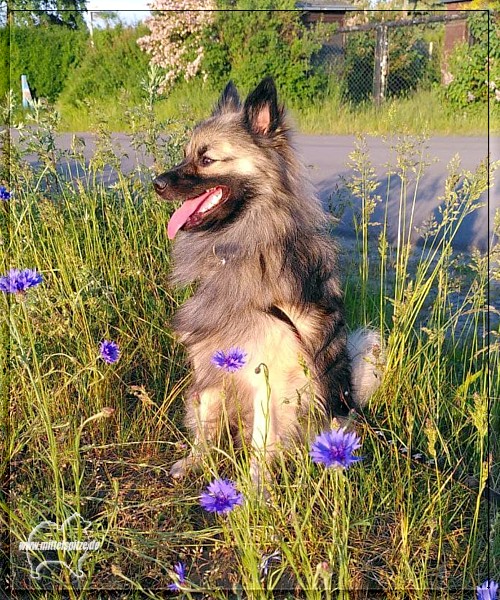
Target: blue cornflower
{"type": "Point", "coordinates": [487, 591]}
{"type": "Point", "coordinates": [334, 448]}
{"type": "Point", "coordinates": [17, 282]}
{"type": "Point", "coordinates": [4, 193]}
{"type": "Point", "coordinates": [229, 361]}
{"type": "Point", "coordinates": [109, 351]}
{"type": "Point", "coordinates": [221, 497]}
{"type": "Point", "coordinates": [180, 572]}
{"type": "Point", "coordinates": [265, 563]}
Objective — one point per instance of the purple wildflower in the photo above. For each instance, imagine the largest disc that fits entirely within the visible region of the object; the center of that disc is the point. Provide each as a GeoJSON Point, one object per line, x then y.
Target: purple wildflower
{"type": "Point", "coordinates": [180, 579]}
{"type": "Point", "coordinates": [265, 563]}
{"type": "Point", "coordinates": [4, 193]}
{"type": "Point", "coordinates": [17, 282]}
{"type": "Point", "coordinates": [487, 591]}
{"type": "Point", "coordinates": [221, 496]}
{"type": "Point", "coordinates": [229, 361]}
{"type": "Point", "coordinates": [109, 351]}
{"type": "Point", "coordinates": [334, 448]}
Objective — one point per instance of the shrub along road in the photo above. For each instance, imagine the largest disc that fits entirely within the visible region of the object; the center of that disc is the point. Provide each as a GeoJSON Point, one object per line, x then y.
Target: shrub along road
{"type": "Point", "coordinates": [327, 158]}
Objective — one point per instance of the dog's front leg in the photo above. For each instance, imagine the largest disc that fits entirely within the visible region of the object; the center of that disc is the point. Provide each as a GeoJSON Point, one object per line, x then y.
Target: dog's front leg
{"type": "Point", "coordinates": [203, 416]}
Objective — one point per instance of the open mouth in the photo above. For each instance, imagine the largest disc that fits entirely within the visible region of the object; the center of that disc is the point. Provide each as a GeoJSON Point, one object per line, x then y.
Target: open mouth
{"type": "Point", "coordinates": [194, 211]}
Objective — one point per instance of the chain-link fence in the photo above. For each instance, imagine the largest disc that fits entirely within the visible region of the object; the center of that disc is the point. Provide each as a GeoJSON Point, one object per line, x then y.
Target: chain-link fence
{"type": "Point", "coordinates": [381, 60]}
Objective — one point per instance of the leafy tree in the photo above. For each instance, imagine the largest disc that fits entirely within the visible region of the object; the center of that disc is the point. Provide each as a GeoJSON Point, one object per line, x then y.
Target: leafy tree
{"type": "Point", "coordinates": [248, 40]}
{"type": "Point", "coordinates": [68, 13]}
{"type": "Point", "coordinates": [113, 66]}
{"type": "Point", "coordinates": [175, 39]}
{"type": "Point", "coordinates": [244, 39]}
{"type": "Point", "coordinates": [45, 54]}
{"type": "Point", "coordinates": [105, 18]}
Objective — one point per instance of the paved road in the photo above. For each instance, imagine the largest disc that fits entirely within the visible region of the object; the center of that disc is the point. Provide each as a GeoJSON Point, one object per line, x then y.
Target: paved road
{"type": "Point", "coordinates": [326, 158]}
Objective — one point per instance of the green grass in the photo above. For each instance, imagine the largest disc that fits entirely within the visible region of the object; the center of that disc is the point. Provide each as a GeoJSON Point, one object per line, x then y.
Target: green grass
{"type": "Point", "coordinates": [420, 112]}
{"type": "Point", "coordinates": [189, 102]}
{"type": "Point", "coordinates": [405, 527]}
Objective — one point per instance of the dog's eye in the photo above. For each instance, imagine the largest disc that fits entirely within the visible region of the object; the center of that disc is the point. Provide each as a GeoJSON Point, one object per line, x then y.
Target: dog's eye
{"type": "Point", "coordinates": [206, 161]}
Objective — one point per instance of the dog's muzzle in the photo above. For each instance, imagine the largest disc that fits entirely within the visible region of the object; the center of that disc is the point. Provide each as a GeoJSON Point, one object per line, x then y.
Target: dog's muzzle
{"type": "Point", "coordinates": [160, 184]}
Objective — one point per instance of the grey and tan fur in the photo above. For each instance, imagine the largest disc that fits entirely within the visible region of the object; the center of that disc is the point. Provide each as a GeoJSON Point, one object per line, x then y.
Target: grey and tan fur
{"type": "Point", "coordinates": [266, 281]}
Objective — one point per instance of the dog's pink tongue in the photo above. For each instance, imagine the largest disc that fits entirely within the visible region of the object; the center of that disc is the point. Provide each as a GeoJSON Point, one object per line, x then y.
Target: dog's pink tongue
{"type": "Point", "coordinates": [182, 214]}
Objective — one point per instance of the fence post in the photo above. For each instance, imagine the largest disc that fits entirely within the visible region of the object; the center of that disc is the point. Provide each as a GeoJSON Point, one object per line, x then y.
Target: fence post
{"type": "Point", "coordinates": [381, 67]}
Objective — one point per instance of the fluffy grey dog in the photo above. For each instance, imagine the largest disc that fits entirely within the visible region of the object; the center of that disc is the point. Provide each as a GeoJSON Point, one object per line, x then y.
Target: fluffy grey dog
{"type": "Point", "coordinates": [253, 237]}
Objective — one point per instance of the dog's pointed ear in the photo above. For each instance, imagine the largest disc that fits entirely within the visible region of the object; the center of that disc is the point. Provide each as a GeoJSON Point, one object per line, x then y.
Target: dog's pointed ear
{"type": "Point", "coordinates": [261, 111]}
{"type": "Point", "coordinates": [228, 102]}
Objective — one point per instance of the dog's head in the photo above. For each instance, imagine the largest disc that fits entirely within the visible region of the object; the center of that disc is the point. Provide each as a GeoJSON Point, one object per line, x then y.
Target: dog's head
{"type": "Point", "coordinates": [240, 149]}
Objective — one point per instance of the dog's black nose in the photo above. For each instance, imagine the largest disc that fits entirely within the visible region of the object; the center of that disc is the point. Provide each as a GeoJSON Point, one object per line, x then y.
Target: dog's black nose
{"type": "Point", "coordinates": [160, 183]}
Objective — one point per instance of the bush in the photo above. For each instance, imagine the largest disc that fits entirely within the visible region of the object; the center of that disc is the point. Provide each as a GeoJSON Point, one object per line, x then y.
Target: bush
{"type": "Point", "coordinates": [359, 62]}
{"type": "Point", "coordinates": [174, 43]}
{"type": "Point", "coordinates": [114, 65]}
{"type": "Point", "coordinates": [410, 66]}
{"type": "Point", "coordinates": [468, 66]}
{"type": "Point", "coordinates": [247, 45]}
{"type": "Point", "coordinates": [4, 62]}
{"type": "Point", "coordinates": [45, 54]}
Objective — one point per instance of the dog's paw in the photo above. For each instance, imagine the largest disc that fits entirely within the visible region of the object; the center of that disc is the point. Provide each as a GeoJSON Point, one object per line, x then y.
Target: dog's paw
{"type": "Point", "coordinates": [180, 468]}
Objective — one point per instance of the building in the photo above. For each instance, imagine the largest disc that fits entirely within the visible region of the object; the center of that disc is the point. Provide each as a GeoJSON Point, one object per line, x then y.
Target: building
{"type": "Point", "coordinates": [324, 11]}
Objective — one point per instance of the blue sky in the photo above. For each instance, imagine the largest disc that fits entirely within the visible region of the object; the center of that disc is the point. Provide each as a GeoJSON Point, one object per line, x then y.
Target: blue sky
{"type": "Point", "coordinates": [130, 10]}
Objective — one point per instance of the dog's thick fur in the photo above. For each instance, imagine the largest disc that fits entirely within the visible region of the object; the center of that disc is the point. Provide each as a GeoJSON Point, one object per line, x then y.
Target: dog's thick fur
{"type": "Point", "coordinates": [266, 281]}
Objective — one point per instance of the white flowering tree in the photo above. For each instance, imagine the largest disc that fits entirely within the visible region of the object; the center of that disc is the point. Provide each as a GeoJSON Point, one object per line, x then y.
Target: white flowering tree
{"type": "Point", "coordinates": [175, 41]}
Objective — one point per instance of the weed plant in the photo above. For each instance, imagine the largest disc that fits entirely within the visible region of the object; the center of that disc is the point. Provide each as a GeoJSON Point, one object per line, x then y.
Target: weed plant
{"type": "Point", "coordinates": [83, 435]}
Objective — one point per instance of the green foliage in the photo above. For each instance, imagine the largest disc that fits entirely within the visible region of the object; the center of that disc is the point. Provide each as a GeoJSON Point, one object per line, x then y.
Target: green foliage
{"type": "Point", "coordinates": [4, 61]}
{"type": "Point", "coordinates": [68, 13]}
{"type": "Point", "coordinates": [420, 111]}
{"type": "Point", "coordinates": [246, 45]}
{"type": "Point", "coordinates": [410, 66]}
{"type": "Point", "coordinates": [358, 79]}
{"type": "Point", "coordinates": [468, 66]}
{"type": "Point", "coordinates": [114, 65]}
{"type": "Point", "coordinates": [57, 58]}
{"type": "Point", "coordinates": [45, 54]}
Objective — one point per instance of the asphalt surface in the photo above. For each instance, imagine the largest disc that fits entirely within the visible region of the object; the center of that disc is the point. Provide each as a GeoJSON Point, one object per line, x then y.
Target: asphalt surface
{"type": "Point", "coordinates": [327, 158]}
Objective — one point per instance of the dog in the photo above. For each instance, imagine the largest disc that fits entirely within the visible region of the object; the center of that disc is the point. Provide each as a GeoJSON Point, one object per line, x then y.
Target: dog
{"type": "Point", "coordinates": [253, 238]}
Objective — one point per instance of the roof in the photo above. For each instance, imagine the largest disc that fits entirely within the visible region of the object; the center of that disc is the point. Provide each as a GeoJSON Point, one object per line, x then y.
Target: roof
{"type": "Point", "coordinates": [324, 5]}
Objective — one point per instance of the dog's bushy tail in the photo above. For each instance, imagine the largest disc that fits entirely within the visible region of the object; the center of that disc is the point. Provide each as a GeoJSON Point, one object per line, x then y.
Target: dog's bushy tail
{"type": "Point", "coordinates": [367, 363]}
